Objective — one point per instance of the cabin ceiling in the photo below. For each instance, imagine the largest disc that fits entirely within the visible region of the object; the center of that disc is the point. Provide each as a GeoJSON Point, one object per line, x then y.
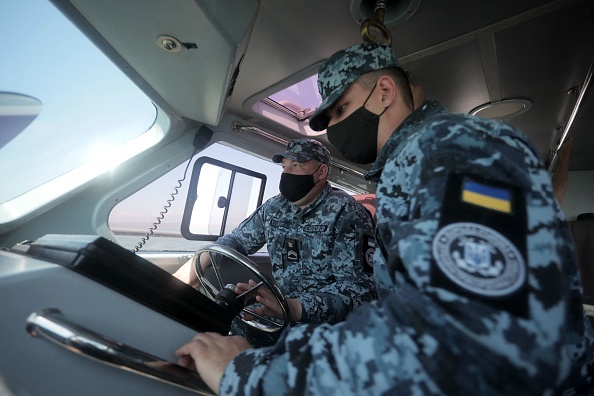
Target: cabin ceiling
{"type": "Point", "coordinates": [464, 53]}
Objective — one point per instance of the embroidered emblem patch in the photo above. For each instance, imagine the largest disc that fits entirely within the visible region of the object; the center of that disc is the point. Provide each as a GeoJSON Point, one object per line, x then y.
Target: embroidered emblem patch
{"type": "Point", "coordinates": [292, 250]}
{"type": "Point", "coordinates": [315, 228]}
{"type": "Point", "coordinates": [479, 259]}
{"type": "Point", "coordinates": [280, 224]}
{"type": "Point", "coordinates": [369, 250]}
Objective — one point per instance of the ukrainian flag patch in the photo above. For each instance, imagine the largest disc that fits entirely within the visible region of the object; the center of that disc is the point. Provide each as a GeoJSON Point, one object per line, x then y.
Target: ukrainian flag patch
{"type": "Point", "coordinates": [486, 196]}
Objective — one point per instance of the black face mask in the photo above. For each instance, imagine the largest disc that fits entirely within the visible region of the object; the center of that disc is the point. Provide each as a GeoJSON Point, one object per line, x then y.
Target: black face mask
{"type": "Point", "coordinates": [295, 187]}
{"type": "Point", "coordinates": [356, 136]}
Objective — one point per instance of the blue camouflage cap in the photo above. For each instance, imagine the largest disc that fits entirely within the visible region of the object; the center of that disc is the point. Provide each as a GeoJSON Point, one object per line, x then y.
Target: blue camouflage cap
{"type": "Point", "coordinates": [342, 69]}
{"type": "Point", "coordinates": [302, 150]}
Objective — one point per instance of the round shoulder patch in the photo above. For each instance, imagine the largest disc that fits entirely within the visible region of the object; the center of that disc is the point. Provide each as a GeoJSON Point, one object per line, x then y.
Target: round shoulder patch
{"type": "Point", "coordinates": [479, 259]}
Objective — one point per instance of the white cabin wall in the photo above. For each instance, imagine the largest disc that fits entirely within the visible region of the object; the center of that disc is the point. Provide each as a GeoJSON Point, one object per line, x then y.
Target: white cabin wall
{"type": "Point", "coordinates": [580, 194]}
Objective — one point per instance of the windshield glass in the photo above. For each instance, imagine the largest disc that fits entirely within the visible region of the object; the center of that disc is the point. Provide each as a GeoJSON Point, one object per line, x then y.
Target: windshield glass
{"type": "Point", "coordinates": [88, 106]}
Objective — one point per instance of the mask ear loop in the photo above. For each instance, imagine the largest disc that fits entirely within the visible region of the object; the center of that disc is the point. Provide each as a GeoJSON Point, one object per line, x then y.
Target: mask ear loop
{"type": "Point", "coordinates": [314, 172]}
{"type": "Point", "coordinates": [369, 96]}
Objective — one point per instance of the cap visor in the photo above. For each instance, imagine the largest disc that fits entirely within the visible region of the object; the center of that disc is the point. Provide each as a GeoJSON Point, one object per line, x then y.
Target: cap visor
{"type": "Point", "coordinates": [319, 120]}
{"type": "Point", "coordinates": [278, 157]}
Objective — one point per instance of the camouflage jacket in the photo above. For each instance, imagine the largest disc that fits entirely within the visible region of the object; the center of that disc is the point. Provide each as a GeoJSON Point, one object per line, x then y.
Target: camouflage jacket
{"type": "Point", "coordinates": [479, 293]}
{"type": "Point", "coordinates": [317, 254]}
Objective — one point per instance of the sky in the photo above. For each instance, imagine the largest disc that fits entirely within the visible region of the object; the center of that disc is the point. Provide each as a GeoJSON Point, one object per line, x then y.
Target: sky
{"type": "Point", "coordinates": [88, 105]}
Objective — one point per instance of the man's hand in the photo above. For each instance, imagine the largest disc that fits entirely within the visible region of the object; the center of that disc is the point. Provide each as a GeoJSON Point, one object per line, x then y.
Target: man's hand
{"type": "Point", "coordinates": [209, 354]}
{"type": "Point", "coordinates": [187, 274]}
{"type": "Point", "coordinates": [270, 306]}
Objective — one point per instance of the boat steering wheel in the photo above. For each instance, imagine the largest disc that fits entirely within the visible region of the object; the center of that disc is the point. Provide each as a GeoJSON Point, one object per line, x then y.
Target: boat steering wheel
{"type": "Point", "coordinates": [223, 292]}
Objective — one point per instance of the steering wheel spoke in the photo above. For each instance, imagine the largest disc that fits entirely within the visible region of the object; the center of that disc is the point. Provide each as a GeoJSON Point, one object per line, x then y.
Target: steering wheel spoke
{"type": "Point", "coordinates": [266, 319]}
{"type": "Point", "coordinates": [216, 271]}
{"type": "Point", "coordinates": [245, 293]}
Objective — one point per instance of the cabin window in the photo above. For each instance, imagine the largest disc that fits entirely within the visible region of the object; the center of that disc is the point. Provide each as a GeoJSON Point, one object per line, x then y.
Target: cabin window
{"type": "Point", "coordinates": [132, 218]}
{"type": "Point", "coordinates": [299, 100]}
{"type": "Point", "coordinates": [291, 105]}
{"type": "Point", "coordinates": [220, 197]}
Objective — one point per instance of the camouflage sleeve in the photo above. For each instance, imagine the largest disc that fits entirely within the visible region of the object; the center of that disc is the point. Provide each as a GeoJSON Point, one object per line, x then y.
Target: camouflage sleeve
{"type": "Point", "coordinates": [353, 285]}
{"type": "Point", "coordinates": [249, 236]}
{"type": "Point", "coordinates": [282, 369]}
{"type": "Point", "coordinates": [373, 353]}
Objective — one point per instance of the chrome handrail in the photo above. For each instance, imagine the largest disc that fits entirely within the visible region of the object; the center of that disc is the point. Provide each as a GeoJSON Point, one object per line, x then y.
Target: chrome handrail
{"type": "Point", "coordinates": [237, 128]}
{"type": "Point", "coordinates": [585, 88]}
{"type": "Point", "coordinates": [51, 324]}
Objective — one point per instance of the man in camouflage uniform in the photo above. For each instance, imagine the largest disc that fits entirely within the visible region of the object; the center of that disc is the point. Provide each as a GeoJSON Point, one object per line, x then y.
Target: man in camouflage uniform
{"type": "Point", "coordinates": [318, 238]}
{"type": "Point", "coordinates": [479, 293]}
